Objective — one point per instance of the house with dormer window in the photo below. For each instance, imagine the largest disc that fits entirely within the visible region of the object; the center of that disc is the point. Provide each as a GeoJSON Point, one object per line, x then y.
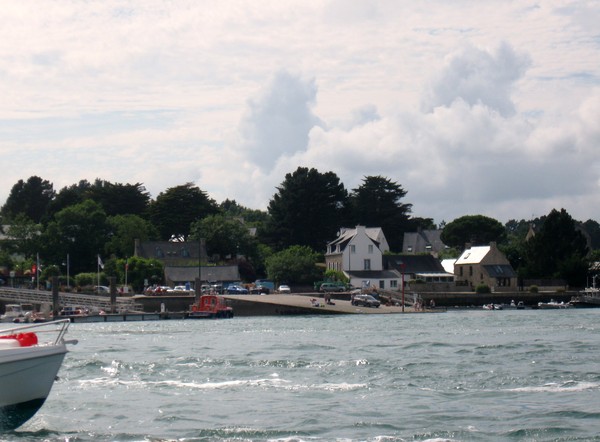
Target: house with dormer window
{"type": "Point", "coordinates": [484, 265]}
{"type": "Point", "coordinates": [358, 253]}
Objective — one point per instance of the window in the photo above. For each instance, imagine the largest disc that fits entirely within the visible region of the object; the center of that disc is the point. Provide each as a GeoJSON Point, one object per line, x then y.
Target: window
{"type": "Point", "coordinates": [352, 248]}
{"type": "Point", "coordinates": [381, 284]}
{"type": "Point", "coordinates": [367, 264]}
{"type": "Point", "coordinates": [394, 284]}
{"type": "Point", "coordinates": [470, 270]}
{"type": "Point", "coordinates": [370, 249]}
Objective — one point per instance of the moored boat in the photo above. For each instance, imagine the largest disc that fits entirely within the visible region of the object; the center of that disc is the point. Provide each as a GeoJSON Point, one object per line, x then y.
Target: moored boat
{"type": "Point", "coordinates": [554, 305]}
{"type": "Point", "coordinates": [28, 368]}
{"type": "Point", "coordinates": [13, 312]}
{"type": "Point", "coordinates": [588, 297]}
{"type": "Point", "coordinates": [210, 306]}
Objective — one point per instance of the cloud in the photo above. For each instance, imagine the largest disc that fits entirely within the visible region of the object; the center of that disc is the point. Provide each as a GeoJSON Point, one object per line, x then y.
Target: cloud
{"type": "Point", "coordinates": [279, 120]}
{"type": "Point", "coordinates": [477, 76]}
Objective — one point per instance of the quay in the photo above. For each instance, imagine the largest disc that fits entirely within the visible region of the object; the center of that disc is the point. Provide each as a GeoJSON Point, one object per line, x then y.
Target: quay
{"type": "Point", "coordinates": [177, 306]}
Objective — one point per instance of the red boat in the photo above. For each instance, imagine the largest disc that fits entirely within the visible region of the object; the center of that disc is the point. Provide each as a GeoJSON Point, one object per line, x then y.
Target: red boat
{"type": "Point", "coordinates": [210, 306]}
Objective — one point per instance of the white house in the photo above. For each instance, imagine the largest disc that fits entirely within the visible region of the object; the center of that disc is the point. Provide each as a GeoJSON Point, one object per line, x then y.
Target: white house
{"type": "Point", "coordinates": [358, 253]}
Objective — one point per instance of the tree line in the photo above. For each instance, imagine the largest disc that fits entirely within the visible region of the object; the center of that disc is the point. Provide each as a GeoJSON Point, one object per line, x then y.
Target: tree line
{"type": "Point", "coordinates": [88, 219]}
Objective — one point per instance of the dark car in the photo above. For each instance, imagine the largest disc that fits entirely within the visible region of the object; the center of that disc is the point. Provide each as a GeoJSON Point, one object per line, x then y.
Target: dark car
{"type": "Point", "coordinates": [365, 301]}
{"type": "Point", "coordinates": [237, 290]}
{"type": "Point", "coordinates": [259, 290]}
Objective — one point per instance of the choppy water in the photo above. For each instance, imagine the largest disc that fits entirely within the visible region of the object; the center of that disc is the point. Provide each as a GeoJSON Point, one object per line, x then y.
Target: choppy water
{"type": "Point", "coordinates": [459, 376]}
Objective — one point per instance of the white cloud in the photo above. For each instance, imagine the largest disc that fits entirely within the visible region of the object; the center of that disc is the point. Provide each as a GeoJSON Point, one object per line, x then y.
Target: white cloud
{"type": "Point", "coordinates": [479, 77]}
{"type": "Point", "coordinates": [278, 122]}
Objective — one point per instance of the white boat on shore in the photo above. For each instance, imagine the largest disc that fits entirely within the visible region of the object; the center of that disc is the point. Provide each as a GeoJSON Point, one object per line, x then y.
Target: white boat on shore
{"type": "Point", "coordinates": [30, 358]}
{"type": "Point", "coordinates": [13, 312]}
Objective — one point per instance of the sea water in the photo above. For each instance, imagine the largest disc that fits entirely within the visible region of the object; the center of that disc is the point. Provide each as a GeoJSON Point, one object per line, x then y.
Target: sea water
{"type": "Point", "coordinates": [464, 375]}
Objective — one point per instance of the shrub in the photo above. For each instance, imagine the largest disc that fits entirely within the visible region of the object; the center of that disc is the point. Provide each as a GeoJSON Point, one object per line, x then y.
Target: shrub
{"type": "Point", "coordinates": [483, 288]}
{"type": "Point", "coordinates": [533, 289]}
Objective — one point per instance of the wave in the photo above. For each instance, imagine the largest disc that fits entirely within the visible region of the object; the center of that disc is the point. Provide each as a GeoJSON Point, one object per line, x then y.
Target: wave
{"type": "Point", "coordinates": [555, 387]}
{"type": "Point", "coordinates": [273, 382]}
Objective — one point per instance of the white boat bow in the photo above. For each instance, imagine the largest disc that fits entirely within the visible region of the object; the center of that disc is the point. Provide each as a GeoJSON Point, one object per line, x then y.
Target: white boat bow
{"type": "Point", "coordinates": [30, 358]}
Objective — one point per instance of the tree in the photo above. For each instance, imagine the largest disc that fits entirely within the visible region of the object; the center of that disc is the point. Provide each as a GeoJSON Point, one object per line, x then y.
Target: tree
{"type": "Point", "coordinates": [376, 203]}
{"type": "Point", "coordinates": [124, 230]}
{"type": "Point", "coordinates": [558, 250]}
{"type": "Point", "coordinates": [225, 236]}
{"type": "Point", "coordinates": [593, 230]}
{"type": "Point", "coordinates": [307, 210]}
{"type": "Point", "coordinates": [296, 264]}
{"type": "Point", "coordinates": [80, 231]}
{"type": "Point", "coordinates": [474, 229]}
{"type": "Point", "coordinates": [178, 207]}
{"type": "Point", "coordinates": [139, 270]}
{"type": "Point", "coordinates": [23, 236]}
{"type": "Point", "coordinates": [30, 198]}
{"type": "Point", "coordinates": [253, 217]}
{"type": "Point", "coordinates": [69, 196]}
{"type": "Point", "coordinates": [120, 199]}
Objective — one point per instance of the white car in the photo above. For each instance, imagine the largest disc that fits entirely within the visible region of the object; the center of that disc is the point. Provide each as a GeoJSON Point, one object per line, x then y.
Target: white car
{"type": "Point", "coordinates": [285, 289]}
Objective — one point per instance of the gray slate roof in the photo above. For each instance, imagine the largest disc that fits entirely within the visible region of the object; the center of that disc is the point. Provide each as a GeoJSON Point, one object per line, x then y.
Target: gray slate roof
{"type": "Point", "coordinates": [413, 263]}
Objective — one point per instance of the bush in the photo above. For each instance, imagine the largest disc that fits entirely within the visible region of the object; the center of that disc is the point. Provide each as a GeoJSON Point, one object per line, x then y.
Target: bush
{"type": "Point", "coordinates": [533, 289]}
{"type": "Point", "coordinates": [83, 279]}
{"type": "Point", "coordinates": [483, 288]}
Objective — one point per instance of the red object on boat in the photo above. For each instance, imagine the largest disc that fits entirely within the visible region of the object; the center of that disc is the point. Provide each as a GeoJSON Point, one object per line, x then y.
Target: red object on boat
{"type": "Point", "coordinates": [24, 339]}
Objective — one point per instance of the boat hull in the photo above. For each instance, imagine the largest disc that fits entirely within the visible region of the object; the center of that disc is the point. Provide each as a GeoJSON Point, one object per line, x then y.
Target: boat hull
{"type": "Point", "coordinates": [26, 376]}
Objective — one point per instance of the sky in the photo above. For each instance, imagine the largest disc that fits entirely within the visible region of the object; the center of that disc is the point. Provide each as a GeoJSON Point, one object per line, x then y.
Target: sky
{"type": "Point", "coordinates": [475, 108]}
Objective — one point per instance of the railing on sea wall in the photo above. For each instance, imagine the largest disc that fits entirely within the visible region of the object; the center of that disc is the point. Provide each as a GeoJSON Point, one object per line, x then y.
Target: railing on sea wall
{"type": "Point", "coordinates": [23, 296]}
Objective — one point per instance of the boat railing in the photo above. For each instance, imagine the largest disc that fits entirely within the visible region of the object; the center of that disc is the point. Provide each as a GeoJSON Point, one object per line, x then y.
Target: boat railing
{"type": "Point", "coordinates": [59, 327]}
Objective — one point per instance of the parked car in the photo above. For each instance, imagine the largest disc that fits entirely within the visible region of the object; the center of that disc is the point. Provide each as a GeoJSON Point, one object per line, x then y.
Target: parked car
{"type": "Point", "coordinates": [365, 301]}
{"type": "Point", "coordinates": [260, 290]}
{"type": "Point", "coordinates": [283, 288]}
{"type": "Point", "coordinates": [179, 289]}
{"type": "Point", "coordinates": [332, 287]}
{"type": "Point", "coordinates": [101, 289]}
{"type": "Point", "coordinates": [236, 290]}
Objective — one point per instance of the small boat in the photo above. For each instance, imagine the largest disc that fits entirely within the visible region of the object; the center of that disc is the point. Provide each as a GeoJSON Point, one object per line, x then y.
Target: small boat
{"type": "Point", "coordinates": [70, 312]}
{"type": "Point", "coordinates": [492, 307]}
{"type": "Point", "coordinates": [554, 305]}
{"type": "Point", "coordinates": [210, 306]}
{"type": "Point", "coordinates": [13, 313]}
{"type": "Point", "coordinates": [28, 368]}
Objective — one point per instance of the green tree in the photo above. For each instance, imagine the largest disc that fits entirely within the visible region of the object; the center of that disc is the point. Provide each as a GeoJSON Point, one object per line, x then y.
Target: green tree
{"type": "Point", "coordinates": [225, 236]}
{"type": "Point", "coordinates": [307, 210]}
{"type": "Point", "coordinates": [136, 270]}
{"type": "Point", "coordinates": [30, 198]}
{"type": "Point", "coordinates": [377, 203]}
{"type": "Point", "coordinates": [178, 207]}
{"type": "Point", "coordinates": [120, 199]}
{"type": "Point", "coordinates": [294, 265]}
{"type": "Point", "coordinates": [69, 196]}
{"type": "Point", "coordinates": [558, 250]}
{"type": "Point", "coordinates": [593, 230]}
{"type": "Point", "coordinates": [124, 230]}
{"type": "Point", "coordinates": [80, 231]}
{"type": "Point", "coordinates": [252, 217]}
{"type": "Point", "coordinates": [23, 236]}
{"type": "Point", "coordinates": [474, 229]}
